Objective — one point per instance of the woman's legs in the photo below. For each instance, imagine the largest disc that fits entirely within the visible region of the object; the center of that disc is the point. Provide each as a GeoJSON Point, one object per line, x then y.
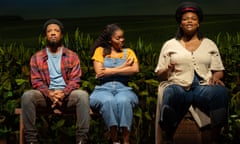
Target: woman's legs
{"type": "Point", "coordinates": [175, 104]}
{"type": "Point", "coordinates": [214, 101]}
{"type": "Point", "coordinates": [102, 100]}
{"type": "Point", "coordinates": [126, 135]}
{"type": "Point", "coordinates": [114, 133]}
{"type": "Point", "coordinates": [125, 100]}
{"type": "Point", "coordinates": [115, 102]}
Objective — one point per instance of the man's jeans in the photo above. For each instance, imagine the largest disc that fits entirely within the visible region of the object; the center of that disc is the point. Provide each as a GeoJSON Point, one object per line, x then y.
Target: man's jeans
{"type": "Point", "coordinates": [33, 100]}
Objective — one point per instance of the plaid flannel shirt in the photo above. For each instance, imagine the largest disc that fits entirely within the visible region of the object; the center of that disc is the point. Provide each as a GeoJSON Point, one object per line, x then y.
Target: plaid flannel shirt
{"type": "Point", "coordinates": [70, 68]}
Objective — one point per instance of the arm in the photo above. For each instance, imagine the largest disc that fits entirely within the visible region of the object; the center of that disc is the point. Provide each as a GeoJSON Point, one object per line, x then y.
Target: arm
{"type": "Point", "coordinates": [128, 68]}
{"type": "Point", "coordinates": [71, 73]}
{"type": "Point", "coordinates": [164, 73]}
{"type": "Point", "coordinates": [216, 66]}
{"type": "Point", "coordinates": [36, 78]}
{"type": "Point", "coordinates": [162, 69]}
{"type": "Point", "coordinates": [216, 78]}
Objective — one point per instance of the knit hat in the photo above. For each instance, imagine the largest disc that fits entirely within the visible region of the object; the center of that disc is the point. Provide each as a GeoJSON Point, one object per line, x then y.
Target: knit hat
{"type": "Point", "coordinates": [188, 7]}
{"type": "Point", "coordinates": [53, 21]}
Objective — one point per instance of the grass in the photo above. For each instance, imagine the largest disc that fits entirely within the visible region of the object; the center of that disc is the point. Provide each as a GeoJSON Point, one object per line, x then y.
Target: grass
{"type": "Point", "coordinates": [151, 29]}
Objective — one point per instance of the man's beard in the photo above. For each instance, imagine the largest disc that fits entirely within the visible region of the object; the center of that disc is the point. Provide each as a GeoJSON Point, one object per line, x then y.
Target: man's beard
{"type": "Point", "coordinates": [54, 44]}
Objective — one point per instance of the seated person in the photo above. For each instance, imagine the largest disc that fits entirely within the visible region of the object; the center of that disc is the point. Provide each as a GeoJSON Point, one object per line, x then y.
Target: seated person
{"type": "Point", "coordinates": [55, 78]}
{"type": "Point", "coordinates": [114, 64]}
{"type": "Point", "coordinates": [190, 69]}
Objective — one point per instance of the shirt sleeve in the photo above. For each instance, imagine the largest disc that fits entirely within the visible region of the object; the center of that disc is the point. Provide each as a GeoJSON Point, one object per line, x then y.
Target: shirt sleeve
{"type": "Point", "coordinates": [36, 78]}
{"type": "Point", "coordinates": [163, 59]}
{"type": "Point", "coordinates": [98, 55]}
{"type": "Point", "coordinates": [72, 77]}
{"type": "Point", "coordinates": [131, 54]}
{"type": "Point", "coordinates": [216, 61]}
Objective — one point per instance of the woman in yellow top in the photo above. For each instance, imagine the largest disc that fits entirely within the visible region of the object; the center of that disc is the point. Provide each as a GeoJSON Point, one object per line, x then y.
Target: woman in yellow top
{"type": "Point", "coordinates": [114, 64]}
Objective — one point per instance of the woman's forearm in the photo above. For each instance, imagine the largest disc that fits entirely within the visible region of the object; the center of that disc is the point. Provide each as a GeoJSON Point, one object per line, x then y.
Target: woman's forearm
{"type": "Point", "coordinates": [126, 70]}
{"type": "Point", "coordinates": [163, 74]}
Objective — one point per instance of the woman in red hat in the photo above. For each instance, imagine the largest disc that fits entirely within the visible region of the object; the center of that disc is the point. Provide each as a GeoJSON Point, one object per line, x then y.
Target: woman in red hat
{"type": "Point", "coordinates": [191, 71]}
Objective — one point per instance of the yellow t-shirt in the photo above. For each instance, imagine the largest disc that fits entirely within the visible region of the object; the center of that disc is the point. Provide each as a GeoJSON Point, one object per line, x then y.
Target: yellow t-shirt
{"type": "Point", "coordinates": [98, 55]}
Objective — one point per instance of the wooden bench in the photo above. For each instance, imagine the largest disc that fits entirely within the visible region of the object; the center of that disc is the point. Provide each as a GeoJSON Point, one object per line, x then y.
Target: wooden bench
{"type": "Point", "coordinates": [18, 111]}
{"type": "Point", "coordinates": [186, 133]}
{"type": "Point", "coordinates": [189, 133]}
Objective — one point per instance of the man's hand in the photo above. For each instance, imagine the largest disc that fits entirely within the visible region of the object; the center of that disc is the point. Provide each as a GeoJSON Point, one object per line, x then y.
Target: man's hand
{"type": "Point", "coordinates": [59, 94]}
{"type": "Point", "coordinates": [51, 95]}
{"type": "Point", "coordinates": [56, 96]}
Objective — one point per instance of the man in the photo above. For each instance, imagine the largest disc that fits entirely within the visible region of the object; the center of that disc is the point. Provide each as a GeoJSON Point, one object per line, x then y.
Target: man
{"type": "Point", "coordinates": [55, 79]}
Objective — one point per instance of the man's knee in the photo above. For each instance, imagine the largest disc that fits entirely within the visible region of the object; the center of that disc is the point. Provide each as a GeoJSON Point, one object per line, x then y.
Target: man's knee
{"type": "Point", "coordinates": [28, 96]}
{"type": "Point", "coordinates": [82, 95]}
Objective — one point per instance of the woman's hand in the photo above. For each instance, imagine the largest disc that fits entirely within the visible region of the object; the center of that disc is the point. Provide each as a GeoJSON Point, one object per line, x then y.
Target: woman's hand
{"type": "Point", "coordinates": [100, 73]}
{"type": "Point", "coordinates": [129, 67]}
{"type": "Point", "coordinates": [163, 74]}
{"type": "Point", "coordinates": [216, 78]}
{"type": "Point", "coordinates": [129, 62]}
{"type": "Point", "coordinates": [172, 68]}
{"type": "Point", "coordinates": [215, 81]}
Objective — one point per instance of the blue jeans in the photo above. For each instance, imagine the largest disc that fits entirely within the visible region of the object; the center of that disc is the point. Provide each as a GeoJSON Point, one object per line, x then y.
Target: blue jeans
{"type": "Point", "coordinates": [115, 102]}
{"type": "Point", "coordinates": [211, 99]}
{"type": "Point", "coordinates": [33, 100]}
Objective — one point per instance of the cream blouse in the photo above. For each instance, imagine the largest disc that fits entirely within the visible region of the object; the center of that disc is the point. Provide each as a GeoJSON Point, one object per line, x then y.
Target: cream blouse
{"type": "Point", "coordinates": [203, 60]}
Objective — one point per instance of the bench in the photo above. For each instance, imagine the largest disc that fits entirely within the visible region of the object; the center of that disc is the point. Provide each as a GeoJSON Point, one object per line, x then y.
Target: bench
{"type": "Point", "coordinates": [189, 133]}
{"type": "Point", "coordinates": [18, 111]}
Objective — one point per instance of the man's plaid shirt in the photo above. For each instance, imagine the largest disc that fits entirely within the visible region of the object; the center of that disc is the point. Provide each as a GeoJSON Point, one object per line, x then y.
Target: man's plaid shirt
{"type": "Point", "coordinates": [70, 68]}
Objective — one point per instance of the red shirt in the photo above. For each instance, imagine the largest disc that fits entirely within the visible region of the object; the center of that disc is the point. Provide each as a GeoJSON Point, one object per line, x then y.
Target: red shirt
{"type": "Point", "coordinates": [70, 68]}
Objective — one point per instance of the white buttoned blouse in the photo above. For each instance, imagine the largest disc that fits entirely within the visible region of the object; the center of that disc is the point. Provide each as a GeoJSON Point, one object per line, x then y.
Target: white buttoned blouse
{"type": "Point", "coordinates": [205, 59]}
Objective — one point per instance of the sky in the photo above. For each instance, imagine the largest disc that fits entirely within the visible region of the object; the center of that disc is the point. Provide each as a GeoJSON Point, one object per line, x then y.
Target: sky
{"type": "Point", "coordinates": [38, 9]}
